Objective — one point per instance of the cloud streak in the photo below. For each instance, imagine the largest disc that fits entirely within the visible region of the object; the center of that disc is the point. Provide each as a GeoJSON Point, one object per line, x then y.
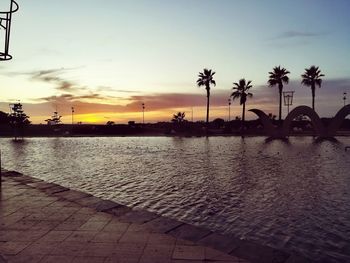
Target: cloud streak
{"type": "Point", "coordinates": [298, 34]}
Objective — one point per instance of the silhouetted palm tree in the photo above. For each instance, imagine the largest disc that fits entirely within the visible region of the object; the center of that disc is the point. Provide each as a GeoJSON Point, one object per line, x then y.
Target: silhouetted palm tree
{"type": "Point", "coordinates": [312, 78]}
{"type": "Point", "coordinates": [277, 77]}
{"type": "Point", "coordinates": [240, 90]}
{"type": "Point", "coordinates": [179, 117]}
{"type": "Point", "coordinates": [205, 78]}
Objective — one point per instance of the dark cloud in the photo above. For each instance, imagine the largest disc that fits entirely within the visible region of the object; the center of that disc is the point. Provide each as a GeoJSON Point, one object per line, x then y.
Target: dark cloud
{"type": "Point", "coordinates": [52, 76]}
{"type": "Point", "coordinates": [69, 98]}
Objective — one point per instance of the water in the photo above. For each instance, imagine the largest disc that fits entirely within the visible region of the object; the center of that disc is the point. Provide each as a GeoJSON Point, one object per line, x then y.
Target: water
{"type": "Point", "coordinates": [293, 196]}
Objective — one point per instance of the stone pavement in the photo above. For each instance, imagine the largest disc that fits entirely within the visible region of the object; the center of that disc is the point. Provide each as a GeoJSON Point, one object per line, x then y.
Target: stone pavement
{"type": "Point", "coordinates": [45, 222]}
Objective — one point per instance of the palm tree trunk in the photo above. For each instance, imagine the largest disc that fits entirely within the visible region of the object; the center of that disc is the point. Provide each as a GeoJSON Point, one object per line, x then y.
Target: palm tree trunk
{"type": "Point", "coordinates": [313, 96]}
{"type": "Point", "coordinates": [208, 96]}
{"type": "Point", "coordinates": [243, 115]}
{"type": "Point", "coordinates": [280, 87]}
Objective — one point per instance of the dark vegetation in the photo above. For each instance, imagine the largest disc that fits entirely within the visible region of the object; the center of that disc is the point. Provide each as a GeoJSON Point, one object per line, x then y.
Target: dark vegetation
{"type": "Point", "coordinates": [179, 126]}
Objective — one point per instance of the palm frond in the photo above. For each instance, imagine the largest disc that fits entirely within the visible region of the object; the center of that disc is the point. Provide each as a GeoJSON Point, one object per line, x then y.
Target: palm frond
{"type": "Point", "coordinates": [312, 77]}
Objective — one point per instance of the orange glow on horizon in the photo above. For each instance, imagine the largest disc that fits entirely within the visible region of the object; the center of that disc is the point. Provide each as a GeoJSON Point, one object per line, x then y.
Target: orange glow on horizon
{"type": "Point", "coordinates": [199, 114]}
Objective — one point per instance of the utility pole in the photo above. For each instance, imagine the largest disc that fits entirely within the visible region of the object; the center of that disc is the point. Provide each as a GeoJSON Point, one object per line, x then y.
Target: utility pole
{"type": "Point", "coordinates": [143, 113]}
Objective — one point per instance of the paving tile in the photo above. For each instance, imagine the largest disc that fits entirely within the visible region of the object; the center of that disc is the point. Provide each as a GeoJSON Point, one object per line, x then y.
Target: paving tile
{"type": "Point", "coordinates": [216, 255]}
{"type": "Point", "coordinates": [189, 232]}
{"type": "Point", "coordinates": [16, 235]}
{"type": "Point", "coordinates": [189, 253]}
{"type": "Point", "coordinates": [69, 248]}
{"type": "Point", "coordinates": [12, 247]}
{"type": "Point", "coordinates": [55, 189]}
{"type": "Point", "coordinates": [105, 205]}
{"type": "Point", "coordinates": [86, 211]}
{"type": "Point", "coordinates": [59, 216]}
{"type": "Point", "coordinates": [101, 217]}
{"type": "Point", "coordinates": [129, 248]}
{"type": "Point", "coordinates": [116, 226]}
{"type": "Point", "coordinates": [46, 225]}
{"type": "Point", "coordinates": [138, 228]}
{"type": "Point", "coordinates": [23, 224]}
{"type": "Point", "coordinates": [124, 259]}
{"type": "Point", "coordinates": [161, 239]}
{"type": "Point", "coordinates": [163, 224]}
{"type": "Point", "coordinates": [89, 259]}
{"type": "Point", "coordinates": [37, 216]}
{"type": "Point", "coordinates": [109, 237]}
{"type": "Point", "coordinates": [40, 248]}
{"type": "Point", "coordinates": [134, 237]}
{"type": "Point", "coordinates": [155, 259]}
{"type": "Point", "coordinates": [98, 250]}
{"type": "Point", "coordinates": [164, 251]}
{"type": "Point", "coordinates": [127, 252]}
{"type": "Point", "coordinates": [81, 236]}
{"type": "Point", "coordinates": [119, 210]}
{"type": "Point", "coordinates": [220, 242]}
{"type": "Point", "coordinates": [40, 185]}
{"type": "Point", "coordinates": [13, 217]}
{"type": "Point", "coordinates": [188, 261]}
{"type": "Point", "coordinates": [88, 201]}
{"type": "Point", "coordinates": [138, 217]}
{"type": "Point", "coordinates": [257, 253]}
{"type": "Point", "coordinates": [93, 226]}
{"type": "Point", "coordinates": [298, 259]}
{"type": "Point", "coordinates": [55, 236]}
{"type": "Point", "coordinates": [79, 217]}
{"type": "Point", "coordinates": [24, 258]}
{"type": "Point", "coordinates": [71, 195]}
{"type": "Point", "coordinates": [69, 225]}
{"type": "Point", "coordinates": [56, 259]}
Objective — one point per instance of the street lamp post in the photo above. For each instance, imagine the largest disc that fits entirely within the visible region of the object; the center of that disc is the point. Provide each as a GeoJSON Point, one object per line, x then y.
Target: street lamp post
{"type": "Point", "coordinates": [229, 109]}
{"type": "Point", "coordinates": [192, 114]}
{"type": "Point", "coordinates": [143, 113]}
{"type": "Point", "coordinates": [72, 115]}
{"type": "Point", "coordinates": [288, 98]}
{"type": "Point", "coordinates": [6, 17]}
{"type": "Point", "coordinates": [344, 98]}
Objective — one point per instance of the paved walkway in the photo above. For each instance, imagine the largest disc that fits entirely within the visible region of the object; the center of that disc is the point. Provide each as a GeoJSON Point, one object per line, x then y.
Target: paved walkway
{"type": "Point", "coordinates": [41, 222]}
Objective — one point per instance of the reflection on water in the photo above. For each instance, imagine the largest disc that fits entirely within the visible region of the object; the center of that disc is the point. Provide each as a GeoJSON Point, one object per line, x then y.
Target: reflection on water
{"type": "Point", "coordinates": [294, 196]}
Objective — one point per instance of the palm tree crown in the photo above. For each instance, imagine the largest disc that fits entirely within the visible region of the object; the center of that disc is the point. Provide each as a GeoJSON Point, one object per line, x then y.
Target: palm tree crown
{"type": "Point", "coordinates": [205, 78]}
{"type": "Point", "coordinates": [179, 117]}
{"type": "Point", "coordinates": [312, 78]}
{"type": "Point", "coordinates": [278, 77]}
{"type": "Point", "coordinates": [240, 90]}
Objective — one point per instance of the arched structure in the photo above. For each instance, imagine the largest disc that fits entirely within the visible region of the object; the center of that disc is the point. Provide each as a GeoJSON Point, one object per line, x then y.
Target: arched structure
{"type": "Point", "coordinates": [305, 110]}
{"type": "Point", "coordinates": [320, 130]}
{"type": "Point", "coordinates": [337, 120]}
{"type": "Point", "coordinates": [269, 129]}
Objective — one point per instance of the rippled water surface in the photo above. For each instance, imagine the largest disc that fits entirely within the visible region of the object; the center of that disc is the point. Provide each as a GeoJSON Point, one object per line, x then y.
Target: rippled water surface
{"type": "Point", "coordinates": [293, 196]}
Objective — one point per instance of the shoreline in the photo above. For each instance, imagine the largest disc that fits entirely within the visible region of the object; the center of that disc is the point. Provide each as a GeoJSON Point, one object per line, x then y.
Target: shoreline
{"type": "Point", "coordinates": [200, 236]}
{"type": "Point", "coordinates": [167, 135]}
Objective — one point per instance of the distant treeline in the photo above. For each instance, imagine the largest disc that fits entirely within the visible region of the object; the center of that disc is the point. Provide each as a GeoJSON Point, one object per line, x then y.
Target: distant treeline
{"type": "Point", "coordinates": [186, 128]}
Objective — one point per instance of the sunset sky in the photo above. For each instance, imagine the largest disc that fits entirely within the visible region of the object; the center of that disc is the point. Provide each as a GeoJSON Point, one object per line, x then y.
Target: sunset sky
{"type": "Point", "coordinates": [106, 58]}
